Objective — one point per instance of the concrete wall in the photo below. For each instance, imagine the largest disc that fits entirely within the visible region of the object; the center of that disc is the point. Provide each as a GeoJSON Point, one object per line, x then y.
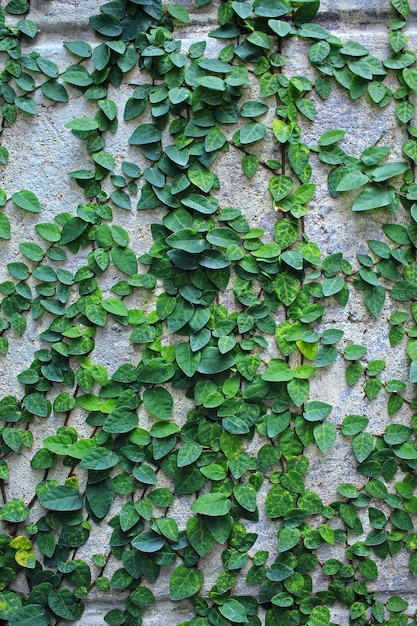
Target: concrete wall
{"type": "Point", "coordinates": [42, 151]}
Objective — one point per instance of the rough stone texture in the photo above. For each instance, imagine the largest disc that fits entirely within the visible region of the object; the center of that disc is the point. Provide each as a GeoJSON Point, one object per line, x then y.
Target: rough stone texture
{"type": "Point", "coordinates": [51, 151]}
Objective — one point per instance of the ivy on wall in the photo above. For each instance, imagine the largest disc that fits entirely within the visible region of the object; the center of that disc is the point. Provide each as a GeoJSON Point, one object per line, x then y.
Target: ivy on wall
{"type": "Point", "coordinates": [189, 109]}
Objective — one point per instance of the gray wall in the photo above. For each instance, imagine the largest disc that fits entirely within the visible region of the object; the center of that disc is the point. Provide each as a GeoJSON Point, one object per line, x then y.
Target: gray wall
{"type": "Point", "coordinates": [42, 151]}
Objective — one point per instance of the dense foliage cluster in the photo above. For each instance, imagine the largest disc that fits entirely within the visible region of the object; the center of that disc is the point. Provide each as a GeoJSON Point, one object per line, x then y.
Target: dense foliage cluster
{"type": "Point", "coordinates": [186, 112]}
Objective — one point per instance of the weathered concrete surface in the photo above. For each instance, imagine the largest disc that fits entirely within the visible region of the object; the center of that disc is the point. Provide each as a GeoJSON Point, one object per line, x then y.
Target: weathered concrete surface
{"type": "Point", "coordinates": [51, 151]}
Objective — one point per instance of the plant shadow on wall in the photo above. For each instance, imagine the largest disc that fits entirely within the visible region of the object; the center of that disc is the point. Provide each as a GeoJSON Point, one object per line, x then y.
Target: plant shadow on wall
{"type": "Point", "coordinates": [240, 454]}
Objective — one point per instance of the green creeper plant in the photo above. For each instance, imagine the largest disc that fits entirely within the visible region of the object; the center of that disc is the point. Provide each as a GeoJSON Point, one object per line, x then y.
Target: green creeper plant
{"type": "Point", "coordinates": [188, 110]}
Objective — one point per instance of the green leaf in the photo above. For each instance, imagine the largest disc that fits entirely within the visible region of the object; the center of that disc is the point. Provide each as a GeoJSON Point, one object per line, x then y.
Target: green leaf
{"type": "Point", "coordinates": [189, 452]}
{"type": "Point", "coordinates": [298, 155]}
{"type": "Point", "coordinates": [402, 6]}
{"type": "Point", "coordinates": [298, 391]}
{"type": "Point", "coordinates": [280, 187]}
{"type": "Point", "coordinates": [287, 538]}
{"type": "Point", "coordinates": [37, 404]}
{"type": "Point", "coordinates": [145, 134]}
{"type": "Point", "coordinates": [362, 445]}
{"type": "Point", "coordinates": [354, 351]}
{"type": "Point", "coordinates": [125, 260]}
{"type": "Point", "coordinates": [252, 132]}
{"type": "Point", "coordinates": [245, 495]}
{"type": "Point", "coordinates": [318, 51]}
{"type": "Point", "coordinates": [4, 227]}
{"type": "Point", "coordinates": [10, 603]}
{"type": "Point", "coordinates": [234, 611]}
{"type": "Point", "coordinates": [26, 104]}
{"type": "Point", "coordinates": [395, 434]}
{"type": "Point", "coordinates": [405, 111]}
{"type": "Point", "coordinates": [99, 497]}
{"type": "Point", "coordinates": [106, 24]}
{"type": "Point", "coordinates": [31, 615]}
{"type": "Point", "coordinates": [27, 27]}
{"type": "Point", "coordinates": [177, 95]}
{"type": "Point", "coordinates": [250, 163]}
{"type": "Point", "coordinates": [79, 48]}
{"type": "Point", "coordinates": [353, 373]}
{"type": "Point", "coordinates": [142, 596]}
{"type": "Point", "coordinates": [410, 77]}
{"type": "Point", "coordinates": [77, 75]}
{"type": "Point", "coordinates": [332, 285]}
{"type": "Point", "coordinates": [145, 474]}
{"type": "Point", "coordinates": [180, 316]}
{"type": "Point", "coordinates": [213, 361]}
{"type": "Point", "coordinates": [304, 193]}
{"type": "Point", "coordinates": [282, 131]}
{"type": "Point", "coordinates": [354, 424]}
{"type": "Point", "coordinates": [188, 240]}
{"type": "Point", "coordinates": [213, 83]}
{"type": "Point", "coordinates": [4, 155]}
{"type": "Point", "coordinates": [278, 371]}
{"type": "Point", "coordinates": [156, 371]}
{"type": "Point", "coordinates": [27, 200]}
{"type": "Point", "coordinates": [187, 360]}
{"type": "Point", "coordinates": [104, 159]}
{"type": "Point", "coordinates": [396, 604]}
{"type": "Point", "coordinates": [185, 582]}
{"type": "Point", "coordinates": [201, 177]}
{"type": "Point", "coordinates": [352, 180]}
{"type": "Point", "coordinates": [214, 472]}
{"type": "Point", "coordinates": [60, 498]}
{"type": "Point", "coordinates": [223, 237]}
{"type": "Point", "coordinates": [62, 603]}
{"type": "Point", "coordinates": [179, 12]}
{"type": "Point", "coordinates": [99, 458]}
{"type": "Point", "coordinates": [271, 8]}
{"type": "Point", "coordinates": [121, 420]}
{"type": "Point", "coordinates": [253, 108]}
{"type": "Point", "coordinates": [330, 137]}
{"type": "Point", "coordinates": [109, 108]}
{"type": "Point", "coordinates": [315, 411]}
{"type": "Point", "coordinates": [148, 542]}
{"type": "Point", "coordinates": [323, 87]}
{"type": "Point", "coordinates": [307, 108]}
{"type": "Point", "coordinates": [404, 290]}
{"type": "Point", "coordinates": [212, 504]}
{"type": "Point", "coordinates": [49, 232]}
{"type": "Point", "coordinates": [319, 616]}
{"type": "Point", "coordinates": [14, 511]}
{"type": "Point", "coordinates": [373, 198]}
{"type": "Point", "coordinates": [286, 288]}
{"type": "Point", "coordinates": [130, 169]}
{"type": "Point", "coordinates": [374, 298]}
{"type": "Point", "coordinates": [260, 39]}
{"type": "Point", "coordinates": [377, 92]}
{"type": "Point", "coordinates": [201, 203]}
{"type": "Point", "coordinates": [214, 140]}
{"type": "Point", "coordinates": [159, 402]}
{"type": "Point", "coordinates": [199, 535]}
{"type": "Point", "coordinates": [325, 436]}
{"type": "Point", "coordinates": [54, 91]}
{"type": "Point", "coordinates": [388, 170]}
{"type": "Point", "coordinates": [279, 501]}
{"type": "Point", "coordinates": [114, 306]}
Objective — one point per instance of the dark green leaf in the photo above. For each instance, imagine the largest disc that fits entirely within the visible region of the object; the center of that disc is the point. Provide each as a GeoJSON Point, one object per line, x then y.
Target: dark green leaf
{"type": "Point", "coordinates": [185, 582]}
